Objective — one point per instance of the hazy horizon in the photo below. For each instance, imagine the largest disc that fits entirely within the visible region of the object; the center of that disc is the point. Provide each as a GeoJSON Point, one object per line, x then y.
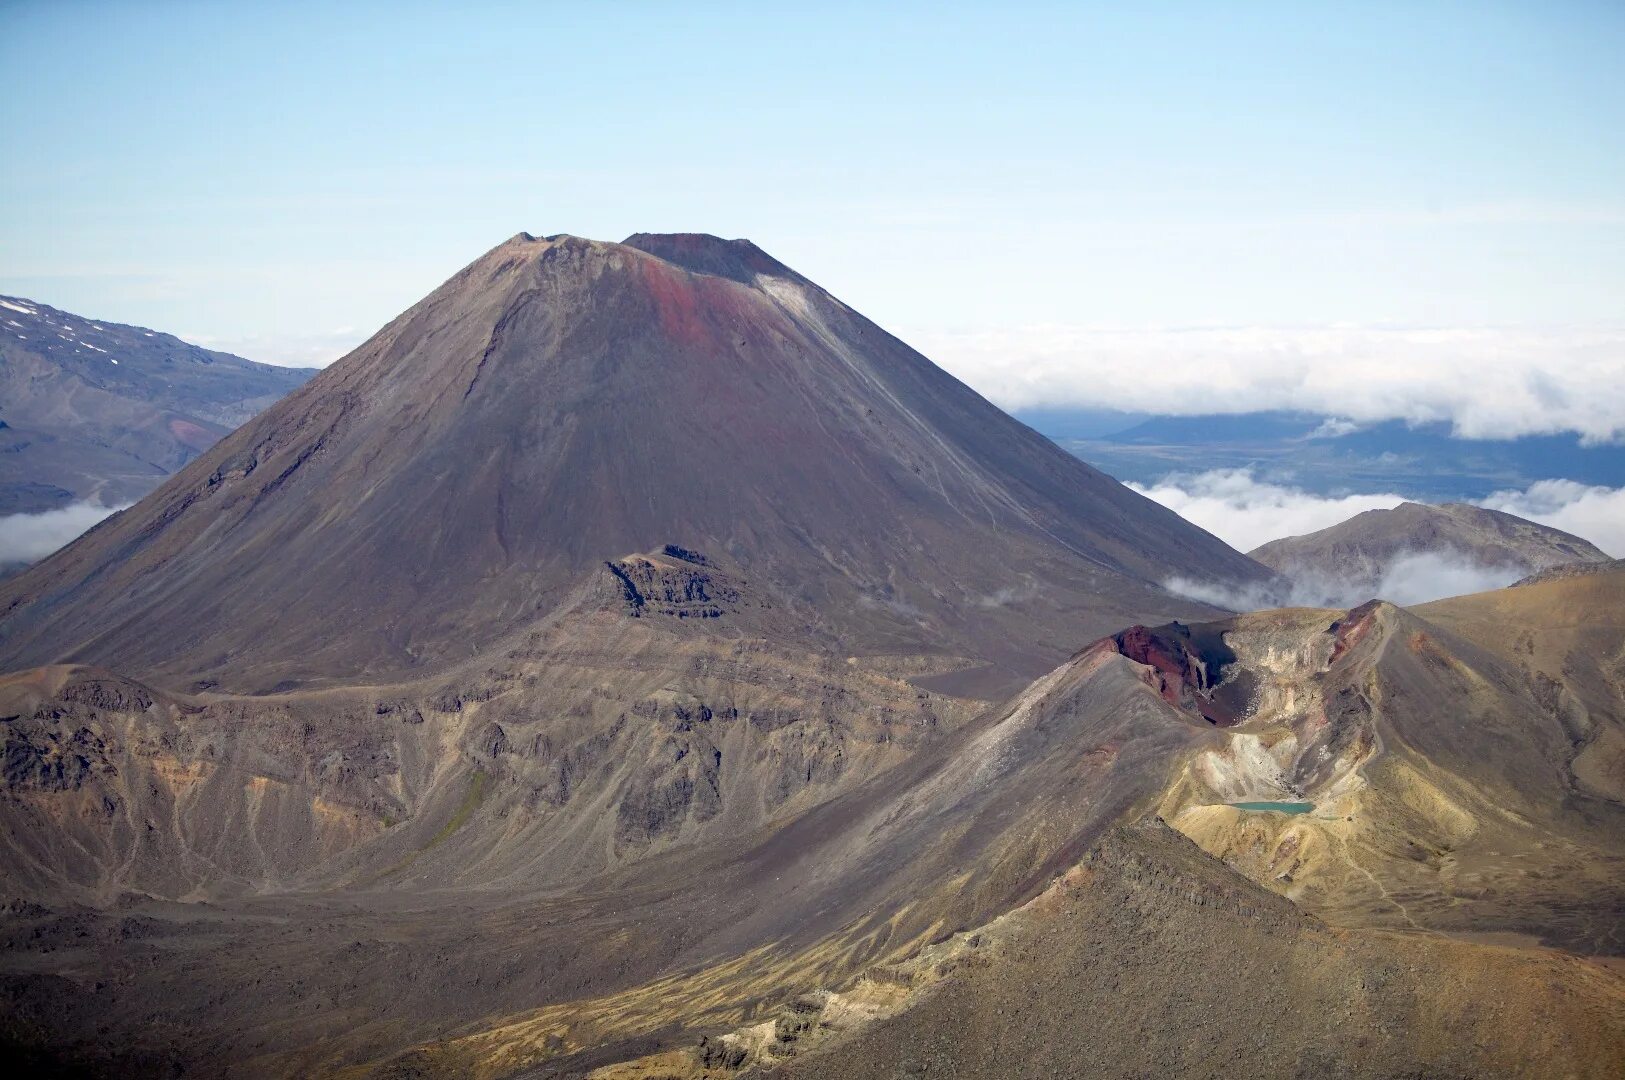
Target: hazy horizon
{"type": "Point", "coordinates": [1039, 198]}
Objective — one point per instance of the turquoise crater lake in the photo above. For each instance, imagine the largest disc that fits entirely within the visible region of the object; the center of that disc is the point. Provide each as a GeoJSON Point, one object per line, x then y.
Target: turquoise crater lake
{"type": "Point", "coordinates": [1278, 807]}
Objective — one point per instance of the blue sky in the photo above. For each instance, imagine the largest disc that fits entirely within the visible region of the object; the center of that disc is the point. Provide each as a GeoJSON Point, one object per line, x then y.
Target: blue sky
{"type": "Point", "coordinates": [281, 179]}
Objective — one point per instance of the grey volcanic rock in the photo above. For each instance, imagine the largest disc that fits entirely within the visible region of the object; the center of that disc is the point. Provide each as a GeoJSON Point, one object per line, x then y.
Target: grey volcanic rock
{"type": "Point", "coordinates": [561, 404]}
{"type": "Point", "coordinates": [622, 845]}
{"type": "Point", "coordinates": [1364, 548]}
{"type": "Point", "coordinates": [99, 410]}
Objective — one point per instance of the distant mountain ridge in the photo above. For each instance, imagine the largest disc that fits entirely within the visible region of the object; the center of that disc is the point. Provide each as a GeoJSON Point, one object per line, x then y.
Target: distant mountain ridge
{"type": "Point", "coordinates": [1365, 546]}
{"type": "Point", "coordinates": [97, 410]}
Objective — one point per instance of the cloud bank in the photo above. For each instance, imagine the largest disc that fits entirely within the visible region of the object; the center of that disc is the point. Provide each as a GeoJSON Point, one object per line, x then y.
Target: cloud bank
{"type": "Point", "coordinates": [1413, 577]}
{"type": "Point", "coordinates": [1245, 512]}
{"type": "Point", "coordinates": [314, 350]}
{"type": "Point", "coordinates": [26, 538]}
{"type": "Point", "coordinates": [1486, 382]}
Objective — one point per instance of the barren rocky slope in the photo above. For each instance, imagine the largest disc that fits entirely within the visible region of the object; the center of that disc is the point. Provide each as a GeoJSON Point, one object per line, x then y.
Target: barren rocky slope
{"type": "Point", "coordinates": [733, 838]}
{"type": "Point", "coordinates": [1575, 569]}
{"type": "Point", "coordinates": [1150, 960]}
{"type": "Point", "coordinates": [102, 411]}
{"type": "Point", "coordinates": [563, 402]}
{"type": "Point", "coordinates": [1565, 636]}
{"type": "Point", "coordinates": [683, 857]}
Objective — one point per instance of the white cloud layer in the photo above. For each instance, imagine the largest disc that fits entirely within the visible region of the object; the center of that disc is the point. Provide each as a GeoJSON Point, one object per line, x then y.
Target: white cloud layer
{"type": "Point", "coordinates": [1487, 382]}
{"type": "Point", "coordinates": [1413, 577]}
{"type": "Point", "coordinates": [26, 538]}
{"type": "Point", "coordinates": [287, 350]}
{"type": "Point", "coordinates": [1245, 512]}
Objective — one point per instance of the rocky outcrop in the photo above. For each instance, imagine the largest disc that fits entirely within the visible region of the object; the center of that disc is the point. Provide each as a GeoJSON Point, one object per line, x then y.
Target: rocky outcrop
{"type": "Point", "coordinates": [674, 583]}
{"type": "Point", "coordinates": [50, 759]}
